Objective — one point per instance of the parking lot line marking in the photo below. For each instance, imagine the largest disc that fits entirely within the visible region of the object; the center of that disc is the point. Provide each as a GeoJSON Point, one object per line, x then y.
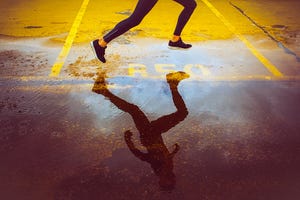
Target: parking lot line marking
{"type": "Point", "coordinates": [272, 68]}
{"type": "Point", "coordinates": [56, 68]}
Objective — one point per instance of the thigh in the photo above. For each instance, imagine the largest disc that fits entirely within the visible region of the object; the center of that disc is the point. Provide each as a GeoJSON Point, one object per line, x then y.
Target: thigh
{"type": "Point", "coordinates": [143, 7]}
{"type": "Point", "coordinates": [165, 123]}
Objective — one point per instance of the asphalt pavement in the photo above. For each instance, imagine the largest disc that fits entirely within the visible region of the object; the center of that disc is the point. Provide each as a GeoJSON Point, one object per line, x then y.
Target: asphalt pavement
{"type": "Point", "coordinates": [134, 127]}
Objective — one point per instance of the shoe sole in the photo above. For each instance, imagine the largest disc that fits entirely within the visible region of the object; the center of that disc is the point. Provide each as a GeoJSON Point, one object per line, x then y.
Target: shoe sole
{"type": "Point", "coordinates": [178, 48]}
{"type": "Point", "coordinates": [93, 49]}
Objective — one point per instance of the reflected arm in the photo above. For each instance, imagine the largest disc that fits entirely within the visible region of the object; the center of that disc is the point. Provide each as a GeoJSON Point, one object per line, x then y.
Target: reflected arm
{"type": "Point", "coordinates": [142, 156]}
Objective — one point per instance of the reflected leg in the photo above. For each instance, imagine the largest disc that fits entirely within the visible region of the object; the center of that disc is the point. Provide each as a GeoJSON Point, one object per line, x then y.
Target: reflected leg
{"type": "Point", "coordinates": [166, 122]}
{"type": "Point", "coordinates": [139, 118]}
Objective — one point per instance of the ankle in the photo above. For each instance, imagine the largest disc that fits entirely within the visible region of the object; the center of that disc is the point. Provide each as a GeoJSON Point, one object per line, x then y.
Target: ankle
{"type": "Point", "coordinates": [102, 43]}
{"type": "Point", "coordinates": [175, 38]}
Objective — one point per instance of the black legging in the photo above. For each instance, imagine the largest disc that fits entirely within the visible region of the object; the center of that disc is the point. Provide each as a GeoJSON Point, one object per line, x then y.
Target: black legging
{"type": "Point", "coordinates": [143, 7]}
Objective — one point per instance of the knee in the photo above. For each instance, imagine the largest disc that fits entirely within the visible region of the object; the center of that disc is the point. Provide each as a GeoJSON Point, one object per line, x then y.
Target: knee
{"type": "Point", "coordinates": [135, 23]}
{"type": "Point", "coordinates": [132, 22]}
{"type": "Point", "coordinates": [182, 113]}
{"type": "Point", "coordinates": [186, 112]}
{"type": "Point", "coordinates": [192, 5]}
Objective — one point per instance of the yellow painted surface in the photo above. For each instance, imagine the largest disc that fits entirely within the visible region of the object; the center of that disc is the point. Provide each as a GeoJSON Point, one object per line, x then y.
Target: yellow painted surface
{"type": "Point", "coordinates": [272, 68]}
{"type": "Point", "coordinates": [160, 22]}
{"type": "Point", "coordinates": [56, 17]}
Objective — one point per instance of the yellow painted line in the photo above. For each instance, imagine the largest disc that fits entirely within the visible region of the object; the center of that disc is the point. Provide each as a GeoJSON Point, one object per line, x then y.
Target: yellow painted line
{"type": "Point", "coordinates": [56, 68]}
{"type": "Point", "coordinates": [253, 50]}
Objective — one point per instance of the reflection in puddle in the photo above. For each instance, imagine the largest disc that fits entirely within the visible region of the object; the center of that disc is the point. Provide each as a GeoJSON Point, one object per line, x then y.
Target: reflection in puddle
{"type": "Point", "coordinates": [158, 155]}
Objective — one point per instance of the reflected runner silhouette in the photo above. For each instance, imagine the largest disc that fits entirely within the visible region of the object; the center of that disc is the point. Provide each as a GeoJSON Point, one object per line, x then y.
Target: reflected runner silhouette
{"type": "Point", "coordinates": [158, 155]}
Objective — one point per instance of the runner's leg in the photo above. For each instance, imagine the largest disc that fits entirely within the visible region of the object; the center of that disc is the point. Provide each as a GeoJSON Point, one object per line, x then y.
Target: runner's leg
{"type": "Point", "coordinates": [189, 7]}
{"type": "Point", "coordinates": [142, 9]}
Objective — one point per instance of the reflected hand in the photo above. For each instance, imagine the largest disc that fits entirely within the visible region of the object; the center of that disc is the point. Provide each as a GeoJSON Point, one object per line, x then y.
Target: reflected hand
{"type": "Point", "coordinates": [175, 150]}
{"type": "Point", "coordinates": [128, 135]}
{"type": "Point", "coordinates": [176, 147]}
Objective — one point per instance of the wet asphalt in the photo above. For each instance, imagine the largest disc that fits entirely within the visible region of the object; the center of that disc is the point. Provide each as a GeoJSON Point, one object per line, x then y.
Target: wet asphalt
{"type": "Point", "coordinates": [227, 129]}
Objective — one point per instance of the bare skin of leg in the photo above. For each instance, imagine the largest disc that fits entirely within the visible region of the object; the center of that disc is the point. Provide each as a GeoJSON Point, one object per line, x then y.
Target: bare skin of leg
{"type": "Point", "coordinates": [175, 38]}
{"type": "Point", "coordinates": [102, 43]}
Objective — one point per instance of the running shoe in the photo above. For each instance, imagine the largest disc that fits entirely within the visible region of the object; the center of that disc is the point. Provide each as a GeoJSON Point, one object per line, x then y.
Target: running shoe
{"type": "Point", "coordinates": [98, 50]}
{"type": "Point", "coordinates": [179, 44]}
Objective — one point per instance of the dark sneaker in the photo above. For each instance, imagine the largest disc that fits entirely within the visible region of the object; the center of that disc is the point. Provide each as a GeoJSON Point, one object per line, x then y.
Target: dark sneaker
{"type": "Point", "coordinates": [98, 50]}
{"type": "Point", "coordinates": [179, 44]}
{"type": "Point", "coordinates": [176, 77]}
